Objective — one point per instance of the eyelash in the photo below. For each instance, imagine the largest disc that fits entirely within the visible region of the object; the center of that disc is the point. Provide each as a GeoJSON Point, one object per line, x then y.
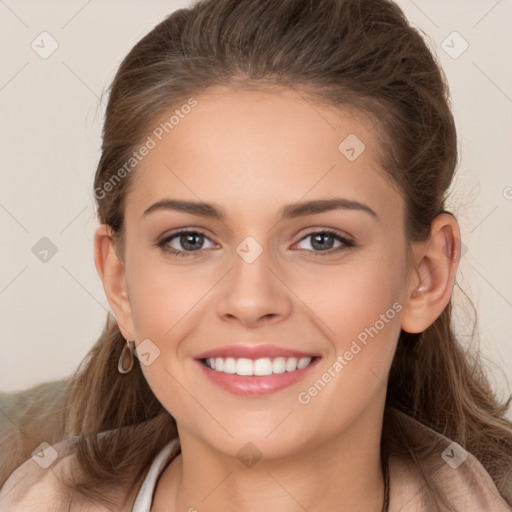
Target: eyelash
{"type": "Point", "coordinates": [347, 244]}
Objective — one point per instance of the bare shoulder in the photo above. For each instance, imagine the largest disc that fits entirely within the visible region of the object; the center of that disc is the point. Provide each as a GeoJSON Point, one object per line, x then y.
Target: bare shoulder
{"type": "Point", "coordinates": [36, 485]}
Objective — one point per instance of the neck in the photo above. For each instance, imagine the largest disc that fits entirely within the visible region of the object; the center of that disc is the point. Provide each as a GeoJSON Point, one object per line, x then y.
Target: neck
{"type": "Point", "coordinates": [343, 474]}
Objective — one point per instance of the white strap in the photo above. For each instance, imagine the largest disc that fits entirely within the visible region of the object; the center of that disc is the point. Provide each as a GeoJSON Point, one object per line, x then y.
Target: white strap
{"type": "Point", "coordinates": [145, 495]}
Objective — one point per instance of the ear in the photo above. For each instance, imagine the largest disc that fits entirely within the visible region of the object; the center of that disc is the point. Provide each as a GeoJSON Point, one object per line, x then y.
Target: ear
{"type": "Point", "coordinates": [112, 273]}
{"type": "Point", "coordinates": [433, 276]}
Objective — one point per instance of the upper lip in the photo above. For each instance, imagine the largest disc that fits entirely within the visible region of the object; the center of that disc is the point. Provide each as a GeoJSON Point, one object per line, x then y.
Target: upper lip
{"type": "Point", "coordinates": [253, 352]}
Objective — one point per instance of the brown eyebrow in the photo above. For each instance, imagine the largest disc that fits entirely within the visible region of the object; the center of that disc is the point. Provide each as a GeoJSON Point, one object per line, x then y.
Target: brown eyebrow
{"type": "Point", "coordinates": [290, 211]}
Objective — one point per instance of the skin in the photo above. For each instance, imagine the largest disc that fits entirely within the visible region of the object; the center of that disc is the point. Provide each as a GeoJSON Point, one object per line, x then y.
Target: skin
{"type": "Point", "coordinates": [251, 153]}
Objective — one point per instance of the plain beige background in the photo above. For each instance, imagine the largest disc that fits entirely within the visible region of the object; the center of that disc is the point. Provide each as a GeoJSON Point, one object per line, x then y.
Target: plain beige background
{"type": "Point", "coordinates": [52, 312]}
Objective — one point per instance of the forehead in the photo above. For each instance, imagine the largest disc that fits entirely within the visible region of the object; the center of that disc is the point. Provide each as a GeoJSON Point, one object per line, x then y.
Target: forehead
{"type": "Point", "coordinates": [254, 148]}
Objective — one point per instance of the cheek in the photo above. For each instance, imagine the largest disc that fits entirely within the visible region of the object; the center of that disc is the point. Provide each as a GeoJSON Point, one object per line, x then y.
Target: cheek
{"type": "Point", "coordinates": [162, 294]}
{"type": "Point", "coordinates": [359, 305]}
{"type": "Point", "coordinates": [352, 296]}
{"type": "Point", "coordinates": [363, 318]}
{"type": "Point", "coordinates": [154, 304]}
{"type": "Point", "coordinates": [372, 299]}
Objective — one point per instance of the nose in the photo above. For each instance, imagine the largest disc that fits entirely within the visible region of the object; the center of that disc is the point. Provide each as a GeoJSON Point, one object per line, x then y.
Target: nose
{"type": "Point", "coordinates": [254, 292]}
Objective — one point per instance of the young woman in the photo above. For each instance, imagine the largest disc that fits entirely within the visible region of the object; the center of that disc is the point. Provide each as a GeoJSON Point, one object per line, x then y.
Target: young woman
{"type": "Point", "coordinates": [275, 249]}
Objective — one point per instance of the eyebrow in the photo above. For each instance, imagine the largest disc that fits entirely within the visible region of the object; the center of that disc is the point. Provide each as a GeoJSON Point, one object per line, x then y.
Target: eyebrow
{"type": "Point", "coordinates": [288, 212]}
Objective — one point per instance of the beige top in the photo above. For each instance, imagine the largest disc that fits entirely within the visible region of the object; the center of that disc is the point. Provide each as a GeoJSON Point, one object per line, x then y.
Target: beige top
{"type": "Point", "coordinates": [468, 487]}
{"type": "Point", "coordinates": [466, 484]}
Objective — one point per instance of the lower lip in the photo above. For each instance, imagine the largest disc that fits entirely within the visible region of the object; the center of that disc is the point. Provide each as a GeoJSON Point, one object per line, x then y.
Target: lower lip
{"type": "Point", "coordinates": [253, 385]}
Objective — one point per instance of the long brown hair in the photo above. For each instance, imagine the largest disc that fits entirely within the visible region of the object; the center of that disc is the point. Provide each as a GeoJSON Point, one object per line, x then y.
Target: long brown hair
{"type": "Point", "coordinates": [358, 53]}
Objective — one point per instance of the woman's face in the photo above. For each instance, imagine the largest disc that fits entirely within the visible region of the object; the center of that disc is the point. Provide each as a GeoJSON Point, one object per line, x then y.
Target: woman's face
{"type": "Point", "coordinates": [265, 283]}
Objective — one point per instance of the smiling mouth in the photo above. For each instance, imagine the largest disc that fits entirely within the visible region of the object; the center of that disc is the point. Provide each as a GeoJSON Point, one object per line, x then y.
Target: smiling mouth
{"type": "Point", "coordinates": [257, 367]}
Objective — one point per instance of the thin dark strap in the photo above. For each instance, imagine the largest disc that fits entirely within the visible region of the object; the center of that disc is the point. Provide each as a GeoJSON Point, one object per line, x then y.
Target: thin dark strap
{"type": "Point", "coordinates": [385, 470]}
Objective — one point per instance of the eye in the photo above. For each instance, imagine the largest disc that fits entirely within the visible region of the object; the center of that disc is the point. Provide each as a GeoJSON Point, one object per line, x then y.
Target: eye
{"type": "Point", "coordinates": [183, 242]}
{"type": "Point", "coordinates": [189, 242]}
{"type": "Point", "coordinates": [323, 242]}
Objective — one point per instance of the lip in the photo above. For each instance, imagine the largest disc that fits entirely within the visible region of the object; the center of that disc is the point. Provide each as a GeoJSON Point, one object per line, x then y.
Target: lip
{"type": "Point", "coordinates": [254, 352]}
{"type": "Point", "coordinates": [254, 385]}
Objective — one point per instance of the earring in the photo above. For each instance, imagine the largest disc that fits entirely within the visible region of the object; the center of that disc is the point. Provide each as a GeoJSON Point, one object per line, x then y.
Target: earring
{"type": "Point", "coordinates": [126, 354]}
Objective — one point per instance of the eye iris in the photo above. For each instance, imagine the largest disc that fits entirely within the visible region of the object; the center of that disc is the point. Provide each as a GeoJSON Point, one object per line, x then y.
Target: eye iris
{"type": "Point", "coordinates": [187, 241]}
{"type": "Point", "coordinates": [319, 239]}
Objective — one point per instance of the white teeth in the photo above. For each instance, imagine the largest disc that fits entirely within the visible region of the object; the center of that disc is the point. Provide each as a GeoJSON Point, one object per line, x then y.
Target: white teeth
{"type": "Point", "coordinates": [263, 366]}
{"type": "Point", "coordinates": [291, 364]}
{"type": "Point", "coordinates": [303, 362]}
{"type": "Point", "coordinates": [279, 365]}
{"type": "Point", "coordinates": [229, 365]}
{"type": "Point", "coordinates": [244, 366]}
{"type": "Point", "coordinates": [258, 367]}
